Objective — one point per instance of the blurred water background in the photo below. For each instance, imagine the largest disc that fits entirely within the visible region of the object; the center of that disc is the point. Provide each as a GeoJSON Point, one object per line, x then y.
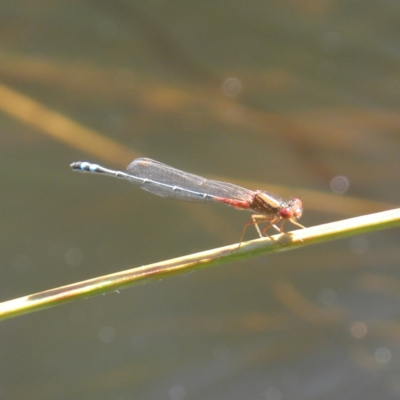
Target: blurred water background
{"type": "Point", "coordinates": [297, 97]}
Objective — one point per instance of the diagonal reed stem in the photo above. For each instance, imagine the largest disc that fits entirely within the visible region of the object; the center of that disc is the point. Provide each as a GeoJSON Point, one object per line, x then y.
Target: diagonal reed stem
{"type": "Point", "coordinates": [205, 259]}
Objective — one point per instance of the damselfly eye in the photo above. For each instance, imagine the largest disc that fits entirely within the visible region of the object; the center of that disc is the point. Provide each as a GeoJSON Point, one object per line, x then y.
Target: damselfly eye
{"type": "Point", "coordinates": [286, 213]}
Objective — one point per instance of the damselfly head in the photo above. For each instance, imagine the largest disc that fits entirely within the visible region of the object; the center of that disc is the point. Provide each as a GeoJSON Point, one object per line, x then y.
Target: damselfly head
{"type": "Point", "coordinates": [293, 209]}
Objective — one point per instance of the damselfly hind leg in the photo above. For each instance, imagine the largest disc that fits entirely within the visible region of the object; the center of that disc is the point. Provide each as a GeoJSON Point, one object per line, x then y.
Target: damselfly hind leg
{"type": "Point", "coordinates": [259, 219]}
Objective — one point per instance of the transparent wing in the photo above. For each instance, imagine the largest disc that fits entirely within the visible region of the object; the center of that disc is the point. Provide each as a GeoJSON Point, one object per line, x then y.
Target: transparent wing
{"type": "Point", "coordinates": [165, 181]}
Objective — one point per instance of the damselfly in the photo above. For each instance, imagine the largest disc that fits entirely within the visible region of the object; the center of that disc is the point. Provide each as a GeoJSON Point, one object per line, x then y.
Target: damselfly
{"type": "Point", "coordinates": [166, 181]}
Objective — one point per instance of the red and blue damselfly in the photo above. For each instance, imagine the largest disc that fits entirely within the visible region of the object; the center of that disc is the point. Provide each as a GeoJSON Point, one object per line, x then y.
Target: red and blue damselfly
{"type": "Point", "coordinates": [165, 181]}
